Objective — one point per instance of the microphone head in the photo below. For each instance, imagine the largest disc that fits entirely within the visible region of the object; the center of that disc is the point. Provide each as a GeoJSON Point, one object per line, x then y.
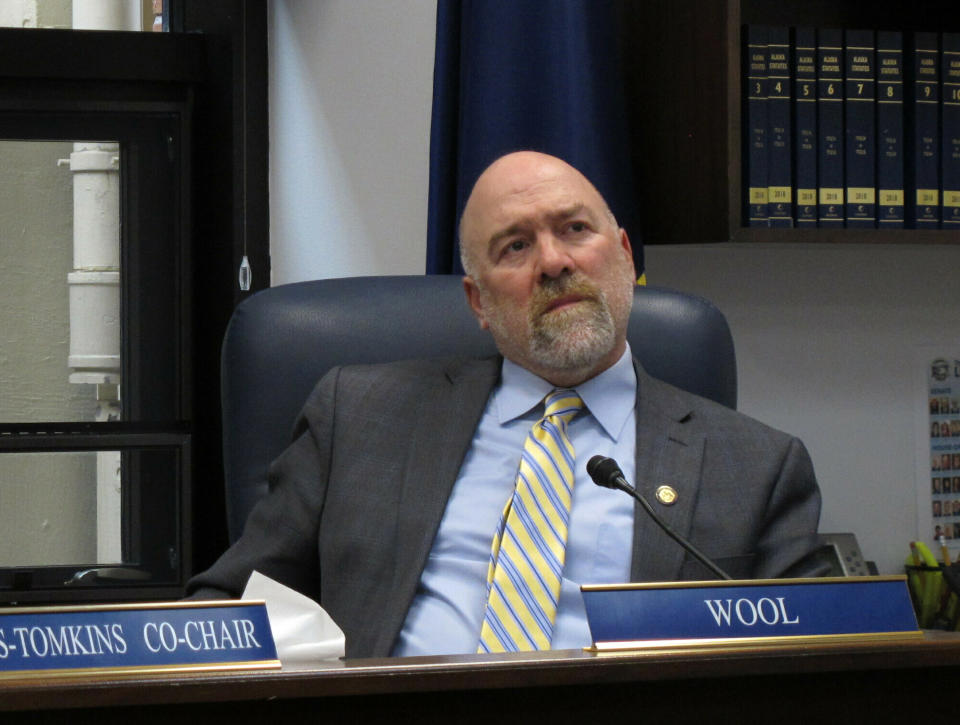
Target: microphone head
{"type": "Point", "coordinates": [604, 471]}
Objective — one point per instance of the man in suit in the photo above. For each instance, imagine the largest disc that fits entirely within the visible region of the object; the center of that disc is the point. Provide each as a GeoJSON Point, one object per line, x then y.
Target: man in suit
{"type": "Point", "coordinates": [384, 507]}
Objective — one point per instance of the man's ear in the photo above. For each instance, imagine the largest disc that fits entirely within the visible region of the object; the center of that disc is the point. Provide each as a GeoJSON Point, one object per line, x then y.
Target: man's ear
{"type": "Point", "coordinates": [625, 243]}
{"type": "Point", "coordinates": [473, 299]}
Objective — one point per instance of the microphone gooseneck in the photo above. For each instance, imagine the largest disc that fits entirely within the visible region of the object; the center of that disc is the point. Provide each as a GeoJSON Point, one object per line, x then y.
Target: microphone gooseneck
{"type": "Point", "coordinates": [606, 472]}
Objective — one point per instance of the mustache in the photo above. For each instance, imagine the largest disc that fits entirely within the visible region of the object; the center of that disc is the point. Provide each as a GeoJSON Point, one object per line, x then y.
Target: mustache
{"type": "Point", "coordinates": [556, 288]}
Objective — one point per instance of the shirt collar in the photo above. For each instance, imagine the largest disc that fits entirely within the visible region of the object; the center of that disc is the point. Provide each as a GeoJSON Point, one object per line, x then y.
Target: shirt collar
{"type": "Point", "coordinates": [609, 396]}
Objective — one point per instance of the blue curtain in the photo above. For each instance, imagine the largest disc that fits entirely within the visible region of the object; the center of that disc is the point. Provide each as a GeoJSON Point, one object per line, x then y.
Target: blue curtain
{"type": "Point", "coordinates": [525, 74]}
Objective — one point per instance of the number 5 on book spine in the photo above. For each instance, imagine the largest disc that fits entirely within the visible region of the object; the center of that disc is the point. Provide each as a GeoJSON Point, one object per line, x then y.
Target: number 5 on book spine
{"type": "Point", "coordinates": [805, 126]}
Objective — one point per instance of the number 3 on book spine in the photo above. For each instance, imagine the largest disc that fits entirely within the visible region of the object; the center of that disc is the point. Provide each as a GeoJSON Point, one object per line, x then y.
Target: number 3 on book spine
{"type": "Point", "coordinates": [756, 183]}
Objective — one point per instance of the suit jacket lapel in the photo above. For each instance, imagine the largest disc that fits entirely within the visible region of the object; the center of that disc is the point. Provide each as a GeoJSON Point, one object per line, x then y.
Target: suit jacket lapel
{"type": "Point", "coordinates": [667, 453]}
{"type": "Point", "coordinates": [437, 449]}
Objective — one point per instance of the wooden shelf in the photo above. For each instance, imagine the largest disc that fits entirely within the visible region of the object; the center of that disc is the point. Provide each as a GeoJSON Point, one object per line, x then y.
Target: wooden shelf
{"type": "Point", "coordinates": [682, 74]}
{"type": "Point", "coordinates": [844, 236]}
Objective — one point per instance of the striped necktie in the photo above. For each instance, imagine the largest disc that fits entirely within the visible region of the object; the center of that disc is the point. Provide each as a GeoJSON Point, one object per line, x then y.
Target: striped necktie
{"type": "Point", "coordinates": [529, 546]}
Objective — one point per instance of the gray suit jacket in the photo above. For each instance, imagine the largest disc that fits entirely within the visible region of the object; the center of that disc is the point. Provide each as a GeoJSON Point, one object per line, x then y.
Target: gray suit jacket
{"type": "Point", "coordinates": [356, 500]}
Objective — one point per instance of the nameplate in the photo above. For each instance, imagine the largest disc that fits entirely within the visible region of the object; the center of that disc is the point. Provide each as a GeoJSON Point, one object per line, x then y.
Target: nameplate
{"type": "Point", "coordinates": [763, 611]}
{"type": "Point", "coordinates": [135, 638]}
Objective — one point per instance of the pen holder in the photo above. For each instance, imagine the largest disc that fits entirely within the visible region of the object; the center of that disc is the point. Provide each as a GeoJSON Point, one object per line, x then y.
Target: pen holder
{"type": "Point", "coordinates": [935, 591]}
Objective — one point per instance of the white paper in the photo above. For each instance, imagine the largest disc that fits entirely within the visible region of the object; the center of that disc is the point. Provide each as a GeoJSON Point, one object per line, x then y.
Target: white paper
{"type": "Point", "coordinates": [302, 631]}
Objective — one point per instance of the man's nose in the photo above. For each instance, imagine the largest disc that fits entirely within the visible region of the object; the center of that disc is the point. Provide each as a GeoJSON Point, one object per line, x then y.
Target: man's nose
{"type": "Point", "coordinates": [555, 258]}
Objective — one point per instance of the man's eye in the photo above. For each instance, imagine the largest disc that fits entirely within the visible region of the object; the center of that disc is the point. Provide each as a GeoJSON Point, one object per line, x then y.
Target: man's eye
{"type": "Point", "coordinates": [517, 245]}
{"type": "Point", "coordinates": [577, 227]}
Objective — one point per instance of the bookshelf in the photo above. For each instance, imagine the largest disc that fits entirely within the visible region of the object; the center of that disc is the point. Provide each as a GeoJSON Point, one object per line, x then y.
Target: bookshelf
{"type": "Point", "coordinates": [682, 71]}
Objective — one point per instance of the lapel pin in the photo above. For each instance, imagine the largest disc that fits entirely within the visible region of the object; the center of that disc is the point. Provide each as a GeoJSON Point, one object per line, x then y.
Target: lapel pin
{"type": "Point", "coordinates": [667, 495]}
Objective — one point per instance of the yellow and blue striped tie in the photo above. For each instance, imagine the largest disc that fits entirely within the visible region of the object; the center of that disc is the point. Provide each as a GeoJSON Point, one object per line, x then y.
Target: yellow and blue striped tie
{"type": "Point", "coordinates": [529, 546]}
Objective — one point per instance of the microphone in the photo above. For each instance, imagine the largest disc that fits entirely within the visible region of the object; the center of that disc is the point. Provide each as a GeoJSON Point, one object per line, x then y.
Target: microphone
{"type": "Point", "coordinates": [605, 472]}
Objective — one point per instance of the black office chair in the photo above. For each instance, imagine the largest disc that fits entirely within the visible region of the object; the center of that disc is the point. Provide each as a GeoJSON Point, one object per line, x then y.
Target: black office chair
{"type": "Point", "coordinates": [282, 340]}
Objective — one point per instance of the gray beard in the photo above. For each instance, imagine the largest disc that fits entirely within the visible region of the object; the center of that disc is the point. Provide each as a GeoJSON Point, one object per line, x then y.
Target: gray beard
{"type": "Point", "coordinates": [573, 339]}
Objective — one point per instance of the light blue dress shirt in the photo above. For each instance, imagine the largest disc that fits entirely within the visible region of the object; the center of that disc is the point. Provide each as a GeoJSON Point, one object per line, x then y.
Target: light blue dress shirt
{"type": "Point", "coordinates": [448, 608]}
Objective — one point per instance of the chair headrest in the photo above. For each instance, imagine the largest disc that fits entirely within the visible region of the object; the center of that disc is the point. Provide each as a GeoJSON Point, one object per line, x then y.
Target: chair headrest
{"type": "Point", "coordinates": [282, 340]}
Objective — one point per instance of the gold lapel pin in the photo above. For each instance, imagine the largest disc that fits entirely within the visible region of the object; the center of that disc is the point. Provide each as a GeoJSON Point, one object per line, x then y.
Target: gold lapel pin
{"type": "Point", "coordinates": [667, 495]}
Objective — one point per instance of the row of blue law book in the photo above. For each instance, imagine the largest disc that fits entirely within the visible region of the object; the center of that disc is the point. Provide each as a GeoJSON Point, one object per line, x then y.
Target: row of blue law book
{"type": "Point", "coordinates": [851, 128]}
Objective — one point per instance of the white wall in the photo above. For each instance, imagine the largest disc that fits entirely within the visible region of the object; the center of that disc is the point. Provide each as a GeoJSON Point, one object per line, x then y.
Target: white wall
{"type": "Point", "coordinates": [47, 501]}
{"type": "Point", "coordinates": [351, 83]}
{"type": "Point", "coordinates": [826, 339]}
{"type": "Point", "coordinates": [824, 333]}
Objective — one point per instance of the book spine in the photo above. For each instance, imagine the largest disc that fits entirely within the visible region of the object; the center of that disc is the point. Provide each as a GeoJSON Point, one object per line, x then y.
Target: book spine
{"type": "Point", "coordinates": [925, 207]}
{"type": "Point", "coordinates": [779, 129]}
{"type": "Point", "coordinates": [950, 130]}
{"type": "Point", "coordinates": [756, 192]}
{"type": "Point", "coordinates": [830, 128]}
{"type": "Point", "coordinates": [859, 132]}
{"type": "Point", "coordinates": [805, 126]}
{"type": "Point", "coordinates": [890, 152]}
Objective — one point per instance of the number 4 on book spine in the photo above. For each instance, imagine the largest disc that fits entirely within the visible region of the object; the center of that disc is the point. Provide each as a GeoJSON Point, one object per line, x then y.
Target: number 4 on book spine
{"type": "Point", "coordinates": [779, 141]}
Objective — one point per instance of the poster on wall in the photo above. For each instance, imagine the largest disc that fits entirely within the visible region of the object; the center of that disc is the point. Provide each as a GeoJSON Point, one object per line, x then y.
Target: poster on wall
{"type": "Point", "coordinates": [938, 449]}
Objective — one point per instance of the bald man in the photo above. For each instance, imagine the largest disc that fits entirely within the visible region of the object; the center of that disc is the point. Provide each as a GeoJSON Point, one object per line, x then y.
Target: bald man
{"type": "Point", "coordinates": [396, 546]}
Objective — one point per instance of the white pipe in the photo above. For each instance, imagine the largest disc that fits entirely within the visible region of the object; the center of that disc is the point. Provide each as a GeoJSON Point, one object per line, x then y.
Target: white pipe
{"type": "Point", "coordinates": [96, 205]}
{"type": "Point", "coordinates": [95, 281]}
{"type": "Point", "coordinates": [107, 15]}
{"type": "Point", "coordinates": [94, 327]}
{"type": "Point", "coordinates": [22, 14]}
{"type": "Point", "coordinates": [94, 287]}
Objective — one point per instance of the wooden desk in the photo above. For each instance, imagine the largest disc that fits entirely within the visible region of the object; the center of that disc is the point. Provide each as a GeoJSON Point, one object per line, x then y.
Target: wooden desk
{"type": "Point", "coordinates": [890, 682]}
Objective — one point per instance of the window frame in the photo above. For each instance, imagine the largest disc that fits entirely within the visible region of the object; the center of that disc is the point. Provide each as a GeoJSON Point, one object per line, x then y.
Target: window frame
{"type": "Point", "coordinates": [59, 87]}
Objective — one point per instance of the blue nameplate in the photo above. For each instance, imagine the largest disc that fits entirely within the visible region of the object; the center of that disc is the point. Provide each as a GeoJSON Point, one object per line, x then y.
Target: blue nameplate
{"type": "Point", "coordinates": [765, 611]}
{"type": "Point", "coordinates": [118, 638]}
